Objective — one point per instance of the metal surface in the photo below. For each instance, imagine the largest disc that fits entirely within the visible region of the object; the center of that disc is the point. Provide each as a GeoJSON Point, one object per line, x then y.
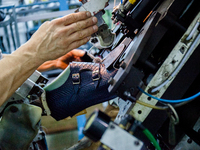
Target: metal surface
{"type": "Point", "coordinates": [35, 76]}
{"type": "Point", "coordinates": [118, 139]}
{"type": "Point", "coordinates": [29, 87]}
{"type": "Point", "coordinates": [163, 73]}
{"type": "Point", "coordinates": [133, 54]}
{"type": "Point", "coordinates": [124, 108]}
{"type": "Point", "coordinates": [111, 58]}
{"type": "Point", "coordinates": [103, 38]}
{"type": "Point", "coordinates": [188, 144]}
{"type": "Point", "coordinates": [93, 6]}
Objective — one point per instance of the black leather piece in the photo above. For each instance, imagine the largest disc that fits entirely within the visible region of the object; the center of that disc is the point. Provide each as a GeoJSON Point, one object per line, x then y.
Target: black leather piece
{"type": "Point", "coordinates": [64, 101]}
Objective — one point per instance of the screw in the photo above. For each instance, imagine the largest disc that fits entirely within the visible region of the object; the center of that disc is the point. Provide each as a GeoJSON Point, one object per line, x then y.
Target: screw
{"type": "Point", "coordinates": [166, 74]}
{"type": "Point", "coordinates": [136, 143]}
{"type": "Point", "coordinates": [189, 140]}
{"type": "Point", "coordinates": [112, 126]}
{"type": "Point", "coordinates": [123, 65]}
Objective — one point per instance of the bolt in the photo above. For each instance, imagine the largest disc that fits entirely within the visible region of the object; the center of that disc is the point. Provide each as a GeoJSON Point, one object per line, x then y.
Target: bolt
{"type": "Point", "coordinates": [166, 74]}
{"type": "Point", "coordinates": [123, 65]}
{"type": "Point", "coordinates": [173, 62]}
{"type": "Point", "coordinates": [189, 140]}
{"type": "Point", "coordinates": [137, 143]}
{"type": "Point", "coordinates": [182, 49]}
{"type": "Point", "coordinates": [112, 126]}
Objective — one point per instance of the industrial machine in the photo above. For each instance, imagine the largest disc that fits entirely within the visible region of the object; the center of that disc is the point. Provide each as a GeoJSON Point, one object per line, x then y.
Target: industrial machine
{"type": "Point", "coordinates": [154, 45]}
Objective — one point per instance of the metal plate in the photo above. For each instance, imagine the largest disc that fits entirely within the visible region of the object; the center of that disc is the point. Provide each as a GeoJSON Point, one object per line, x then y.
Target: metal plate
{"type": "Point", "coordinates": [93, 6]}
{"type": "Point", "coordinates": [118, 139]}
{"type": "Point", "coordinates": [164, 72]}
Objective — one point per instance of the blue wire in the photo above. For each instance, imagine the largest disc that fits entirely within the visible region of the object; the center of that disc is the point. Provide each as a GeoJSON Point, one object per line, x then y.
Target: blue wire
{"type": "Point", "coordinates": [171, 101]}
{"type": "Point", "coordinates": [121, 1]}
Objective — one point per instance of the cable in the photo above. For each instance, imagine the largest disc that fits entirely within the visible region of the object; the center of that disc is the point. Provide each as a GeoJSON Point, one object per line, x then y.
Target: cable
{"type": "Point", "coordinates": [152, 106]}
{"type": "Point", "coordinates": [128, 95]}
{"type": "Point", "coordinates": [193, 30]}
{"type": "Point", "coordinates": [171, 101]}
{"type": "Point", "coordinates": [151, 138]}
{"type": "Point", "coordinates": [156, 107]}
{"type": "Point", "coordinates": [179, 66]}
{"type": "Point", "coordinates": [176, 119]}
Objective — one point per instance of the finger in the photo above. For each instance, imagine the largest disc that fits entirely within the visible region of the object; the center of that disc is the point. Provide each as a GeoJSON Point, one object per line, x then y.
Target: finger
{"type": "Point", "coordinates": [78, 52]}
{"type": "Point", "coordinates": [82, 34]}
{"type": "Point", "coordinates": [77, 26]}
{"type": "Point", "coordinates": [61, 65]}
{"type": "Point", "coordinates": [78, 43]}
{"type": "Point", "coordinates": [74, 17]}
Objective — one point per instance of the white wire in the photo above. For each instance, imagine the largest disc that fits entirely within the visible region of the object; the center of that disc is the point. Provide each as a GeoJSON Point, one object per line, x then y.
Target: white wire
{"type": "Point", "coordinates": [176, 121]}
{"type": "Point", "coordinates": [179, 66]}
{"type": "Point", "coordinates": [193, 30]}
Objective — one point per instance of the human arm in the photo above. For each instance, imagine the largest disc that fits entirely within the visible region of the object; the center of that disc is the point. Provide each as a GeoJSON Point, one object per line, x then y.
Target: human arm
{"type": "Point", "coordinates": [53, 39]}
{"type": "Point", "coordinates": [63, 61]}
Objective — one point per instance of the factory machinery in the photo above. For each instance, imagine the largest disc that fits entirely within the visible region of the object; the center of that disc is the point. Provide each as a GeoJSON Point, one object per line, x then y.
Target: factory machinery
{"type": "Point", "coordinates": [154, 45]}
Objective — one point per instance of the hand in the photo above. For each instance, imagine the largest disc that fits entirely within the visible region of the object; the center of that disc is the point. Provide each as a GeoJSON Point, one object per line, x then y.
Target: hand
{"type": "Point", "coordinates": [63, 61]}
{"type": "Point", "coordinates": [57, 37]}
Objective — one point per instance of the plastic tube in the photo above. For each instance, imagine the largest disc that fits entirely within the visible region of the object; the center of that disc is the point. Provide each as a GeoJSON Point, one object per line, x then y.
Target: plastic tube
{"type": "Point", "coordinates": [151, 138]}
{"type": "Point", "coordinates": [171, 101]}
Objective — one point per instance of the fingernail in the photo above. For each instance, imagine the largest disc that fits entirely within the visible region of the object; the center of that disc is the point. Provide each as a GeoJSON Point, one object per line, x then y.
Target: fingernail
{"type": "Point", "coordinates": [88, 14]}
{"type": "Point", "coordinates": [94, 19]}
{"type": "Point", "coordinates": [95, 28]}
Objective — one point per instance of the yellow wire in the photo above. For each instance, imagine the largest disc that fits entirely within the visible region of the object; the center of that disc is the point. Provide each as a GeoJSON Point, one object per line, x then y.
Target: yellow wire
{"type": "Point", "coordinates": [151, 106]}
{"type": "Point", "coordinates": [132, 1]}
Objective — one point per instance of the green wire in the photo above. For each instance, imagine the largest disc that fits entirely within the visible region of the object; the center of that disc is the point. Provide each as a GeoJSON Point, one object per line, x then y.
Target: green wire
{"type": "Point", "coordinates": [151, 138]}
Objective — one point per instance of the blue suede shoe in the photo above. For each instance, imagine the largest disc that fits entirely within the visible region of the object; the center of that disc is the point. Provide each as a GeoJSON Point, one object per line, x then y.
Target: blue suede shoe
{"type": "Point", "coordinates": [79, 86]}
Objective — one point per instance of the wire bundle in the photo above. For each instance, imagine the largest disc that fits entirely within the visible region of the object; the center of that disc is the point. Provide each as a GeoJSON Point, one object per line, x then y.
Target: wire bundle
{"type": "Point", "coordinates": [171, 101]}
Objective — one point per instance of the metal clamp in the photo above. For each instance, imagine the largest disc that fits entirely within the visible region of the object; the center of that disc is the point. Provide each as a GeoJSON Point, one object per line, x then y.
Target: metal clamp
{"type": "Point", "coordinates": [95, 75]}
{"type": "Point", "coordinates": [76, 78]}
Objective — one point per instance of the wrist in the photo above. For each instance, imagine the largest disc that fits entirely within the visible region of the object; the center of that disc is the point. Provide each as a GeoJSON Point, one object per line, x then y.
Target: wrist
{"type": "Point", "coordinates": [29, 52]}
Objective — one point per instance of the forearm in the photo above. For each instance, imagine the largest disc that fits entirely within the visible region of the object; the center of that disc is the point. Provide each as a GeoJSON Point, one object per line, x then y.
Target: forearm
{"type": "Point", "coordinates": [52, 40]}
{"type": "Point", "coordinates": [15, 69]}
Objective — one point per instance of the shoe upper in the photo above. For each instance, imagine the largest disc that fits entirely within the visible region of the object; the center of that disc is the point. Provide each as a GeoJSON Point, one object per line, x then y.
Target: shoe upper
{"type": "Point", "coordinates": [86, 85]}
